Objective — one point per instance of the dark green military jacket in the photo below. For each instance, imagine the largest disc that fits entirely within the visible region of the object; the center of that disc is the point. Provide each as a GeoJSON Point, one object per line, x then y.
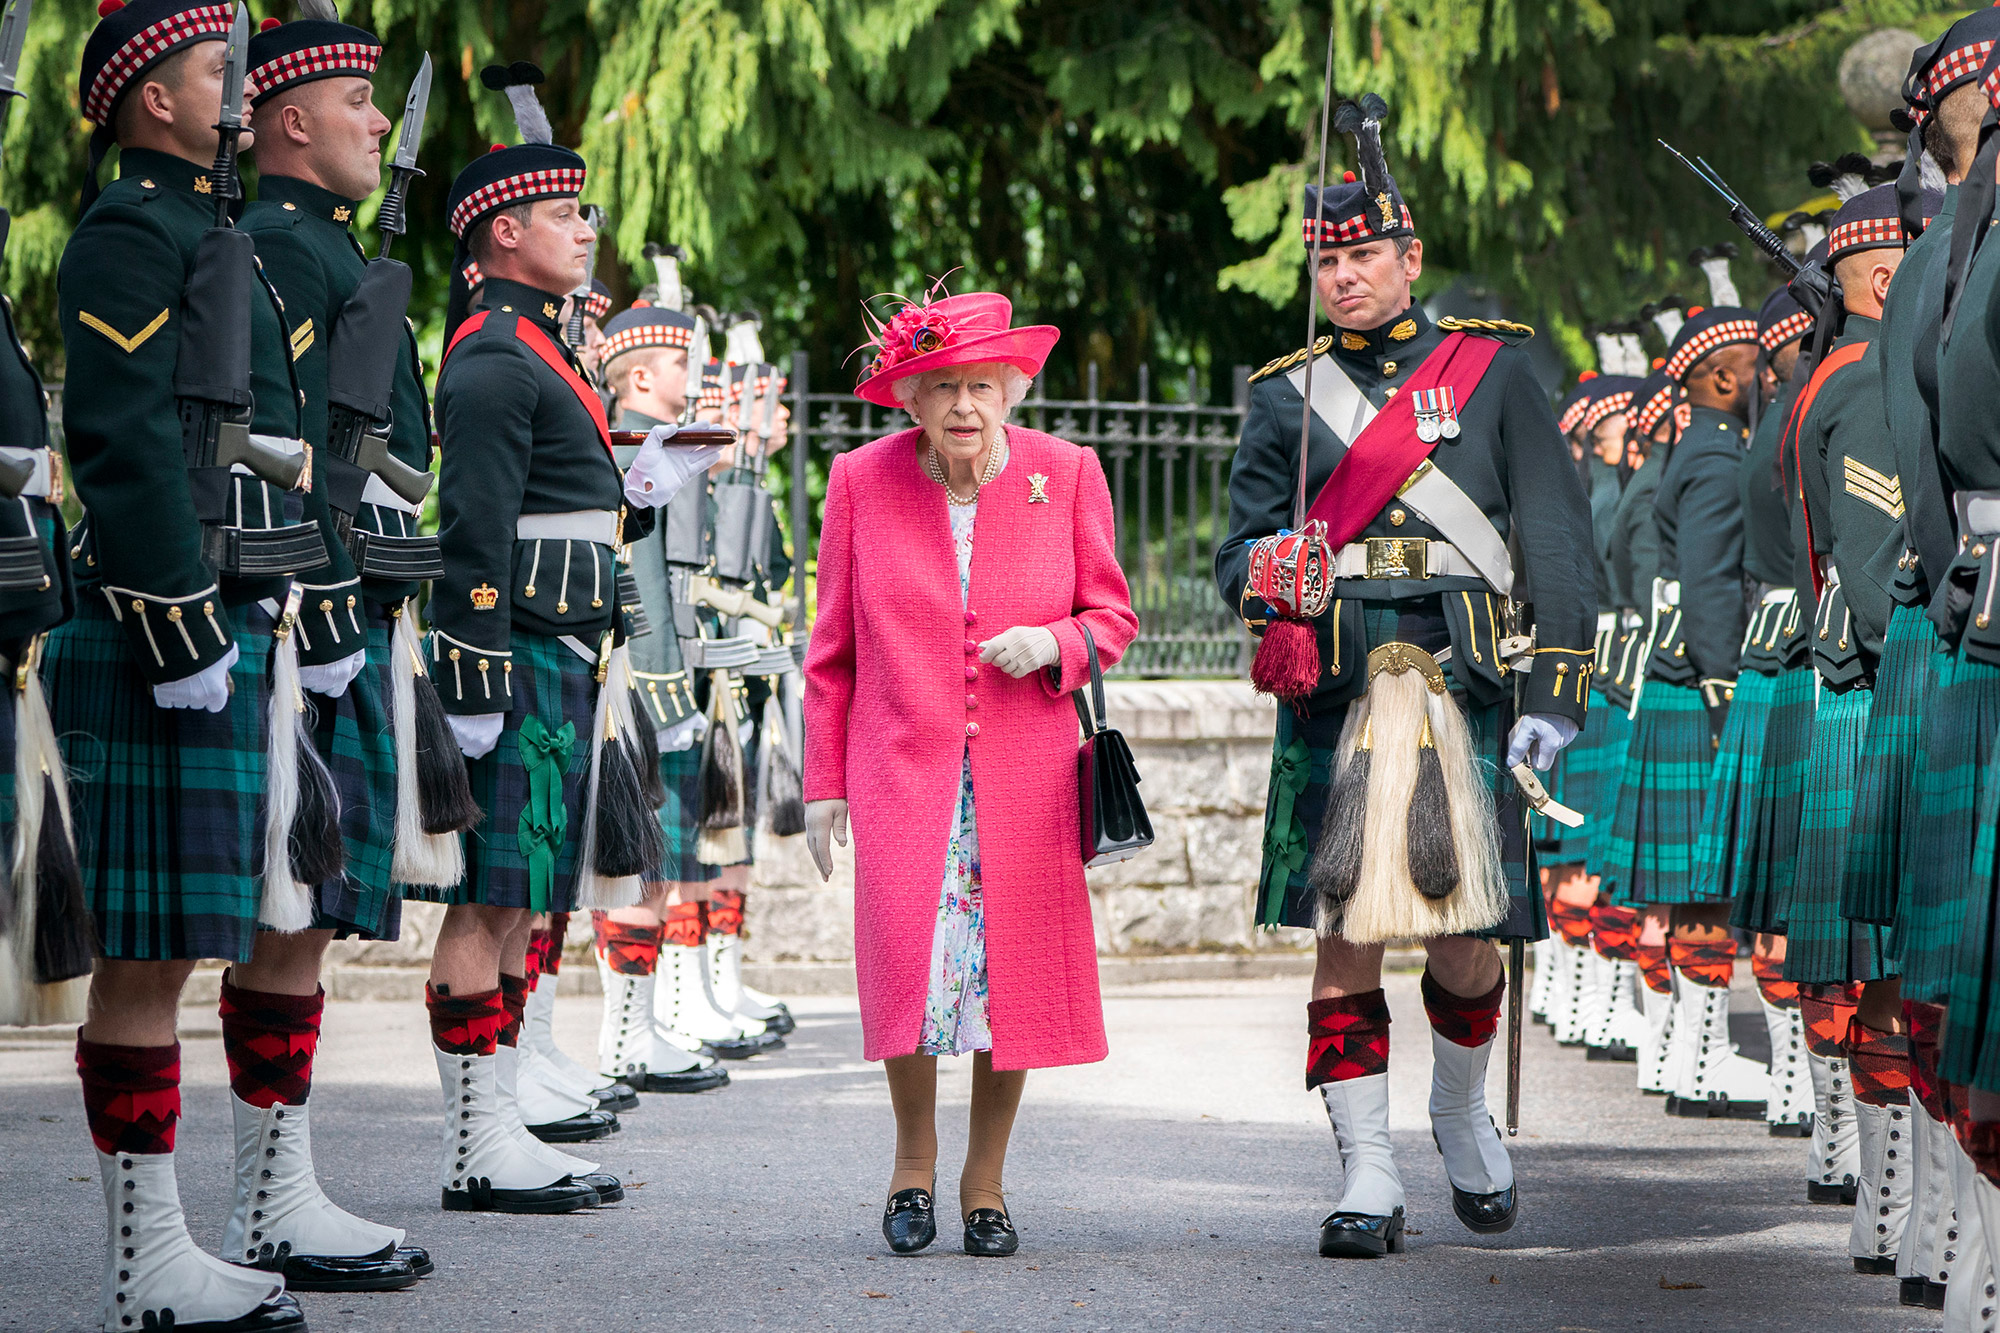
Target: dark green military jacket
{"type": "Point", "coordinates": [121, 283]}
{"type": "Point", "coordinates": [1509, 459]}
{"type": "Point", "coordinates": [517, 438]}
{"type": "Point", "coordinates": [1909, 336]}
{"type": "Point", "coordinates": [31, 529]}
{"type": "Point", "coordinates": [1968, 382]}
{"type": "Point", "coordinates": [1774, 554]}
{"type": "Point", "coordinates": [1634, 551]}
{"type": "Point", "coordinates": [314, 261]}
{"type": "Point", "coordinates": [1855, 501]}
{"type": "Point", "coordinates": [1604, 492]}
{"type": "Point", "coordinates": [1700, 513]}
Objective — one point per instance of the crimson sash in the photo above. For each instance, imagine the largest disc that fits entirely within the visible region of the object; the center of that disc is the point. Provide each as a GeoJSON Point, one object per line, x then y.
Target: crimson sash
{"type": "Point", "coordinates": [1789, 442]}
{"type": "Point", "coordinates": [1381, 458]}
{"type": "Point", "coordinates": [538, 343]}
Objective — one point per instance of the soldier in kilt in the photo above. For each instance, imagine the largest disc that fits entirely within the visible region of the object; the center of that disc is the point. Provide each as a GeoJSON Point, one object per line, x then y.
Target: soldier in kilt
{"type": "Point", "coordinates": [646, 352]}
{"type": "Point", "coordinates": [1365, 672]}
{"type": "Point", "coordinates": [1685, 705]}
{"type": "Point", "coordinates": [523, 647]}
{"type": "Point", "coordinates": [163, 683]}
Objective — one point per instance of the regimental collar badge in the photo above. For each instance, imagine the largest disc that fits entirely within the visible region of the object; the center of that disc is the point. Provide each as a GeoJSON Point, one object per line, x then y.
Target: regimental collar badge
{"type": "Point", "coordinates": [1038, 488]}
{"type": "Point", "coordinates": [201, 185]}
{"type": "Point", "coordinates": [1437, 413]}
{"type": "Point", "coordinates": [1405, 331]}
{"type": "Point", "coordinates": [548, 310]}
{"type": "Point", "coordinates": [342, 213]}
{"type": "Point", "coordinates": [1353, 342]}
{"type": "Point", "coordinates": [485, 597]}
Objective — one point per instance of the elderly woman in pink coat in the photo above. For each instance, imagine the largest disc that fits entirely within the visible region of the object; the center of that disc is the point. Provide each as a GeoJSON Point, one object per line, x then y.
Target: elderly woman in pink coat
{"type": "Point", "coordinates": [960, 564]}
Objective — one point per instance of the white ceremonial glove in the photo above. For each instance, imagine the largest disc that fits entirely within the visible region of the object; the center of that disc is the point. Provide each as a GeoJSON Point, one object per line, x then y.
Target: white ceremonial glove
{"type": "Point", "coordinates": [332, 678]}
{"type": "Point", "coordinates": [1542, 735]}
{"type": "Point", "coordinates": [683, 735]}
{"type": "Point", "coordinates": [477, 733]}
{"type": "Point", "coordinates": [824, 818]}
{"type": "Point", "coordinates": [658, 472]}
{"type": "Point", "coordinates": [207, 689]}
{"type": "Point", "coordinates": [1021, 650]}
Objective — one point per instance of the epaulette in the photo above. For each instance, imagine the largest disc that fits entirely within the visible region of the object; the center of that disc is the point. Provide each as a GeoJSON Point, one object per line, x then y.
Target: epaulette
{"type": "Point", "coordinates": [1290, 359]}
{"type": "Point", "coordinates": [1506, 330]}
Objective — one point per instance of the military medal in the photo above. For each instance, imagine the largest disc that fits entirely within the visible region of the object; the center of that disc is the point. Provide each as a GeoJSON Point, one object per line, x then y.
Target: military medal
{"type": "Point", "coordinates": [1447, 409]}
{"type": "Point", "coordinates": [1425, 403]}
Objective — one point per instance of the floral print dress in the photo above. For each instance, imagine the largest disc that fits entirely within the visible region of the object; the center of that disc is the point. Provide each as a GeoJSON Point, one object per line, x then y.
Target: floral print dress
{"type": "Point", "coordinates": [955, 1005]}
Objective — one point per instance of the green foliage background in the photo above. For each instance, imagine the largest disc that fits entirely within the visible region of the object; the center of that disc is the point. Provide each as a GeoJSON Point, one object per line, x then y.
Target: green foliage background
{"type": "Point", "coordinates": [1126, 169]}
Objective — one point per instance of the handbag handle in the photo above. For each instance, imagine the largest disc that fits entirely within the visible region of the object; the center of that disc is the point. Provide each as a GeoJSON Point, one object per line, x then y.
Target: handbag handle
{"type": "Point", "coordinates": [1091, 714]}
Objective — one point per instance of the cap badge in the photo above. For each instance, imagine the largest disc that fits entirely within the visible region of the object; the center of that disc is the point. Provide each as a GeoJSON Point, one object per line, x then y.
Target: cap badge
{"type": "Point", "coordinates": [1038, 488]}
{"type": "Point", "coordinates": [485, 597]}
{"type": "Point", "coordinates": [1388, 207]}
{"type": "Point", "coordinates": [1405, 331]}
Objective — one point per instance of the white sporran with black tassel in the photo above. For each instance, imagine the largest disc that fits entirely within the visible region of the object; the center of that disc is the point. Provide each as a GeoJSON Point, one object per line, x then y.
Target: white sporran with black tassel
{"type": "Point", "coordinates": [430, 860]}
{"type": "Point", "coordinates": [46, 943]}
{"type": "Point", "coordinates": [1409, 847]}
{"type": "Point", "coordinates": [622, 838]}
{"type": "Point", "coordinates": [302, 842]}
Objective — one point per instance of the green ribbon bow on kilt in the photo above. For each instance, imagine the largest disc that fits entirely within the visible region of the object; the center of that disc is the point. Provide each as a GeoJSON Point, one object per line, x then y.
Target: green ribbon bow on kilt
{"type": "Point", "coordinates": [545, 755]}
{"type": "Point", "coordinates": [1285, 846]}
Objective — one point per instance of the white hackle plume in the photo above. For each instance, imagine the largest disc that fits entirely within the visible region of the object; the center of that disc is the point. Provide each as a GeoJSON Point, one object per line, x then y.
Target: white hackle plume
{"type": "Point", "coordinates": [741, 344]}
{"type": "Point", "coordinates": [1633, 362]}
{"type": "Point", "coordinates": [1668, 320]}
{"type": "Point", "coordinates": [1609, 353]}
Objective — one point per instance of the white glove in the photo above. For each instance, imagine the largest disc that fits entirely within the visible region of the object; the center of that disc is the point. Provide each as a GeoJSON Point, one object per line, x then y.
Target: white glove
{"type": "Point", "coordinates": [1542, 735]}
{"type": "Point", "coordinates": [683, 735]}
{"type": "Point", "coordinates": [825, 818]}
{"type": "Point", "coordinates": [332, 678]}
{"type": "Point", "coordinates": [1022, 649]}
{"type": "Point", "coordinates": [477, 733]}
{"type": "Point", "coordinates": [658, 473]}
{"type": "Point", "coordinates": [207, 689]}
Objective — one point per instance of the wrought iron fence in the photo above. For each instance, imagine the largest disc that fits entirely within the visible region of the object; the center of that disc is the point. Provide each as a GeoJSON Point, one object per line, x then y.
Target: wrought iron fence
{"type": "Point", "coordinates": [1168, 467]}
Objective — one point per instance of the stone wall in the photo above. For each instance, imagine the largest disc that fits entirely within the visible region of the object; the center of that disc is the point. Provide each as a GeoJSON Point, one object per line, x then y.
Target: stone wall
{"type": "Point", "coordinates": [1204, 755]}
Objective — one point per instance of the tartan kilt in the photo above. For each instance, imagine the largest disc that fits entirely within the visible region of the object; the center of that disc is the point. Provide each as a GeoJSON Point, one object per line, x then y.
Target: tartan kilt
{"type": "Point", "coordinates": [1973, 988]}
{"type": "Point", "coordinates": [1876, 837]}
{"type": "Point", "coordinates": [1767, 859]}
{"type": "Point", "coordinates": [680, 818]}
{"type": "Point", "coordinates": [354, 737]}
{"type": "Point", "coordinates": [166, 801]}
{"type": "Point", "coordinates": [1821, 945]}
{"type": "Point", "coordinates": [552, 683]}
{"type": "Point", "coordinates": [1650, 852]}
{"type": "Point", "coordinates": [1578, 781]}
{"type": "Point", "coordinates": [1604, 802]}
{"type": "Point", "coordinates": [1954, 743]}
{"type": "Point", "coordinates": [1302, 756]}
{"type": "Point", "coordinates": [1726, 810]}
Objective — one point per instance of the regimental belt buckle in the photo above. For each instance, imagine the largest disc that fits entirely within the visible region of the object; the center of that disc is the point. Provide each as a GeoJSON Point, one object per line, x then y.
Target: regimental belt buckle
{"type": "Point", "coordinates": [1398, 558]}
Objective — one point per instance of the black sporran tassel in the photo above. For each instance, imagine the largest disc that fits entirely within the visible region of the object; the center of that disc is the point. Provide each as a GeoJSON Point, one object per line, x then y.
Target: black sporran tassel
{"type": "Point", "coordinates": [443, 790]}
{"type": "Point", "coordinates": [721, 765]}
{"type": "Point", "coordinates": [629, 839]}
{"type": "Point", "coordinates": [784, 790]}
{"type": "Point", "coordinates": [1433, 856]}
{"type": "Point", "coordinates": [1336, 868]}
{"type": "Point", "coordinates": [63, 944]}
{"type": "Point", "coordinates": [645, 742]}
{"type": "Point", "coordinates": [319, 853]}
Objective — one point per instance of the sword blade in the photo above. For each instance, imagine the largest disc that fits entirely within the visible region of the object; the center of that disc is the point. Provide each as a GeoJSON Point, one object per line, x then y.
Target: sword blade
{"type": "Point", "coordinates": [13, 34]}
{"type": "Point", "coordinates": [414, 108]}
{"type": "Point", "coordinates": [1516, 958]}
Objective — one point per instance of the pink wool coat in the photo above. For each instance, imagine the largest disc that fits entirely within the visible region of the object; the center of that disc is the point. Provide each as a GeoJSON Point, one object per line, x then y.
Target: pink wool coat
{"type": "Point", "coordinates": [896, 694]}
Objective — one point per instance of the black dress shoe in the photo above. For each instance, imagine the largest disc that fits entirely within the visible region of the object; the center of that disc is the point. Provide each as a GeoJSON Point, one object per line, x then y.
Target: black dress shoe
{"type": "Point", "coordinates": [1877, 1267]}
{"type": "Point", "coordinates": [909, 1223]}
{"type": "Point", "coordinates": [781, 1022]}
{"type": "Point", "coordinates": [1361, 1235]}
{"type": "Point", "coordinates": [686, 1080]}
{"type": "Point", "coordinates": [578, 1128]}
{"type": "Point", "coordinates": [563, 1196]}
{"type": "Point", "coordinates": [733, 1048]}
{"type": "Point", "coordinates": [384, 1270]}
{"type": "Point", "coordinates": [989, 1233]}
{"type": "Point", "coordinates": [279, 1315]}
{"type": "Point", "coordinates": [617, 1097]}
{"type": "Point", "coordinates": [418, 1258]}
{"type": "Point", "coordinates": [1487, 1214]}
{"type": "Point", "coordinates": [1843, 1195]}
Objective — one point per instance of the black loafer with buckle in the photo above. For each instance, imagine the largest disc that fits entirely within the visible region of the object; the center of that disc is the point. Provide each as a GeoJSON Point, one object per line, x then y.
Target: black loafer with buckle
{"type": "Point", "coordinates": [989, 1233]}
{"type": "Point", "coordinates": [909, 1223]}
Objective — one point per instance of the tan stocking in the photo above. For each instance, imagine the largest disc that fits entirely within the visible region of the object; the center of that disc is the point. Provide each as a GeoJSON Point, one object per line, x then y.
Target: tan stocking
{"type": "Point", "coordinates": [995, 1099]}
{"type": "Point", "coordinates": [913, 1096]}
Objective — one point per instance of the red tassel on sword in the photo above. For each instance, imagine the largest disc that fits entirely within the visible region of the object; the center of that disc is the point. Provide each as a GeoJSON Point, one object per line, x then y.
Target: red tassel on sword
{"type": "Point", "coordinates": [1292, 573]}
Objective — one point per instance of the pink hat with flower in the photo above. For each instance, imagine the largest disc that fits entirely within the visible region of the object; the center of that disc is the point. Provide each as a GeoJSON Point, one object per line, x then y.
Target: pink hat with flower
{"type": "Point", "coordinates": [951, 331]}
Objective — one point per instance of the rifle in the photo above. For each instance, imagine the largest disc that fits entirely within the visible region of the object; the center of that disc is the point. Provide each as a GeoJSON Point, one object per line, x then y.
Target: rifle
{"type": "Point", "coordinates": [1811, 285]}
{"type": "Point", "coordinates": [594, 216]}
{"type": "Point", "coordinates": [365, 344]}
{"type": "Point", "coordinates": [212, 370]}
{"type": "Point", "coordinates": [15, 474]}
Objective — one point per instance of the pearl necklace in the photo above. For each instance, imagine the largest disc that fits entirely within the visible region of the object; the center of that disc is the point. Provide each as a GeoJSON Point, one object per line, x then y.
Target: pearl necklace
{"type": "Point", "coordinates": [934, 465]}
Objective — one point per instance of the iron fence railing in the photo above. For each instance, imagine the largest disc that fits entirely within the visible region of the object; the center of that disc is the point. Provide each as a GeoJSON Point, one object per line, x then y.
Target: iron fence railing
{"type": "Point", "coordinates": [1167, 464]}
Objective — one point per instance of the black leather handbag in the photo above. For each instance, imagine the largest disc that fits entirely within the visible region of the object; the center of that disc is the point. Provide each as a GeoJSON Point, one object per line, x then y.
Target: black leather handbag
{"type": "Point", "coordinates": [1114, 823]}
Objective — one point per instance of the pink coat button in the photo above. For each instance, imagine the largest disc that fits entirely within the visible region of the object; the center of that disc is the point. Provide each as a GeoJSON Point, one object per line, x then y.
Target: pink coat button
{"type": "Point", "coordinates": [972, 673]}
{"type": "Point", "coordinates": [972, 728]}
{"type": "Point", "coordinates": [971, 617]}
{"type": "Point", "coordinates": [972, 701]}
{"type": "Point", "coordinates": [972, 647]}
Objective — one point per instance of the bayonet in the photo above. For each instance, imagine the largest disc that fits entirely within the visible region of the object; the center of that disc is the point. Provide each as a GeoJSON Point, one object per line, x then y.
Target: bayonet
{"type": "Point", "coordinates": [13, 34]}
{"type": "Point", "coordinates": [403, 166]}
{"type": "Point", "coordinates": [594, 217]}
{"type": "Point", "coordinates": [229, 125]}
{"type": "Point", "coordinates": [1746, 221]}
